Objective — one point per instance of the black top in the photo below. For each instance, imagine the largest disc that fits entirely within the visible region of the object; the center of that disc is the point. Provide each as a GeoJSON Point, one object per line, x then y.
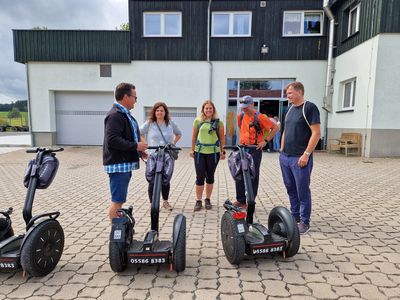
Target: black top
{"type": "Point", "coordinates": [297, 132]}
{"type": "Point", "coordinates": [118, 146]}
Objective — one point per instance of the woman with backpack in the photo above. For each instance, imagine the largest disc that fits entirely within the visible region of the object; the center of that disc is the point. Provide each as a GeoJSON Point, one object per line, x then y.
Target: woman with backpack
{"type": "Point", "coordinates": [208, 140]}
{"type": "Point", "coordinates": [159, 129]}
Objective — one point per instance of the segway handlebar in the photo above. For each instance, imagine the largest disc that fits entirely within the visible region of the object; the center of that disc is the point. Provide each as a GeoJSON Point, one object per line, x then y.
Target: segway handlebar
{"type": "Point", "coordinates": [168, 146]}
{"type": "Point", "coordinates": [235, 147]}
{"type": "Point", "coordinates": [41, 149]}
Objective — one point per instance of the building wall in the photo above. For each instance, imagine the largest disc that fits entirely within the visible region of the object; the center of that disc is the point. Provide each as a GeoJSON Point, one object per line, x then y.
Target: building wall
{"type": "Point", "coordinates": [359, 63]}
{"type": "Point", "coordinates": [375, 66]}
{"type": "Point", "coordinates": [385, 134]}
{"type": "Point", "coordinates": [179, 84]}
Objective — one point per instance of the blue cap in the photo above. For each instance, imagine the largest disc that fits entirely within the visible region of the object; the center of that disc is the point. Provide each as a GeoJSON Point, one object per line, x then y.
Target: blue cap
{"type": "Point", "coordinates": [246, 101]}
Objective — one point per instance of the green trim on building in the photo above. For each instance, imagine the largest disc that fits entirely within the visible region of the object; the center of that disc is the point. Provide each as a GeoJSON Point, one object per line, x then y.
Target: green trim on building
{"type": "Point", "coordinates": [72, 46]}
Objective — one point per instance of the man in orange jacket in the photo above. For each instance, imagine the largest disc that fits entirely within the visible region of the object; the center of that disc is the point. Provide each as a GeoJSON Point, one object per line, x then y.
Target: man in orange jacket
{"type": "Point", "coordinates": [251, 126]}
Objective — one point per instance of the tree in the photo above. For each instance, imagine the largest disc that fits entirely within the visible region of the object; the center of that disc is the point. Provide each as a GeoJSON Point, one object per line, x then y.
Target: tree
{"type": "Point", "coordinates": [123, 26]}
{"type": "Point", "coordinates": [22, 105]}
{"type": "Point", "coordinates": [14, 113]}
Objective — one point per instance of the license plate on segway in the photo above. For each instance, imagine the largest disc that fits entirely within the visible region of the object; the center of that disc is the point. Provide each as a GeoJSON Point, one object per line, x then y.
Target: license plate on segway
{"type": "Point", "coordinates": [267, 248]}
{"type": "Point", "coordinates": [9, 264]}
{"type": "Point", "coordinates": [148, 259]}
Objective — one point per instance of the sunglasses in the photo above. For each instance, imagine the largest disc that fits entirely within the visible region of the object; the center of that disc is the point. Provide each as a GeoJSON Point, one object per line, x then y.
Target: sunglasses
{"type": "Point", "coordinates": [242, 101]}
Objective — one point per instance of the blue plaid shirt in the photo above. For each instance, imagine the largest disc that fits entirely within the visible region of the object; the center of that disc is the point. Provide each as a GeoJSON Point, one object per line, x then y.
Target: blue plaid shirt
{"type": "Point", "coordinates": [121, 168]}
{"type": "Point", "coordinates": [125, 167]}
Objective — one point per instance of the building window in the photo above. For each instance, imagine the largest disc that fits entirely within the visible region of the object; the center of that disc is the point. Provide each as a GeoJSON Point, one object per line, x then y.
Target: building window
{"type": "Point", "coordinates": [226, 24]}
{"type": "Point", "coordinates": [349, 94]}
{"type": "Point", "coordinates": [162, 24]}
{"type": "Point", "coordinates": [354, 17]}
{"type": "Point", "coordinates": [302, 23]}
{"type": "Point", "coordinates": [105, 70]}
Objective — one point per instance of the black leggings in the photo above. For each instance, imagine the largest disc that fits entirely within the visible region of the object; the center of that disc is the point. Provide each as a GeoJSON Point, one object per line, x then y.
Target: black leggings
{"type": "Point", "coordinates": [205, 167]}
{"type": "Point", "coordinates": [164, 191]}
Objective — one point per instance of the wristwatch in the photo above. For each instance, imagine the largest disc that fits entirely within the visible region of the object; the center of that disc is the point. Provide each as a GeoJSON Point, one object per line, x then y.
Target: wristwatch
{"type": "Point", "coordinates": [307, 153]}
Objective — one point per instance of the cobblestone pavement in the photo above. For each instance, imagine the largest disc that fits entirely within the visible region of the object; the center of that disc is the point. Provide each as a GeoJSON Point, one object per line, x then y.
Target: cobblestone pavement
{"type": "Point", "coordinates": [351, 252]}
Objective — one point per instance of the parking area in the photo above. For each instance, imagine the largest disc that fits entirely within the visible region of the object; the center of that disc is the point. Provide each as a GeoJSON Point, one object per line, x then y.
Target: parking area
{"type": "Point", "coordinates": [351, 252]}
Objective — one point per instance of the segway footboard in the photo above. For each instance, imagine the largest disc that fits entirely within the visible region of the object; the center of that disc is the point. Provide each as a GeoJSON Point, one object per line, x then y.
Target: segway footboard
{"type": "Point", "coordinates": [260, 241]}
{"type": "Point", "coordinates": [156, 254]}
{"type": "Point", "coordinates": [9, 253]}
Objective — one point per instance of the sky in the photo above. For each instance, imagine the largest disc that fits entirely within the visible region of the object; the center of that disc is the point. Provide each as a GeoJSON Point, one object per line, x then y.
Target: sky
{"type": "Point", "coordinates": [53, 14]}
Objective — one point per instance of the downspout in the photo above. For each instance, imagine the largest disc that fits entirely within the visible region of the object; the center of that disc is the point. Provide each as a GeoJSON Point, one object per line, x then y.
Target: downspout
{"type": "Point", "coordinates": [29, 105]}
{"type": "Point", "coordinates": [327, 105]}
{"type": "Point", "coordinates": [208, 49]}
{"type": "Point", "coordinates": [364, 152]}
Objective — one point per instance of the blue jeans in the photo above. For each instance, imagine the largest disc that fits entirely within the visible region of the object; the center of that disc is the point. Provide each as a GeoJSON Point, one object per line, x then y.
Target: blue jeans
{"type": "Point", "coordinates": [297, 182]}
{"type": "Point", "coordinates": [277, 141]}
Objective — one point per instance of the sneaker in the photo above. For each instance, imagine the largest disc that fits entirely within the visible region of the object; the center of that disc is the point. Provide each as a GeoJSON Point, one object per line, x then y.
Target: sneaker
{"type": "Point", "coordinates": [207, 203]}
{"type": "Point", "coordinates": [297, 220]}
{"type": "Point", "coordinates": [240, 204]}
{"type": "Point", "coordinates": [303, 228]}
{"type": "Point", "coordinates": [166, 205]}
{"type": "Point", "coordinates": [198, 205]}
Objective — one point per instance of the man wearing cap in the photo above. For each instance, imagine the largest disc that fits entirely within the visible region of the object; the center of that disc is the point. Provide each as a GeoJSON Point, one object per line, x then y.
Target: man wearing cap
{"type": "Point", "coordinates": [251, 126]}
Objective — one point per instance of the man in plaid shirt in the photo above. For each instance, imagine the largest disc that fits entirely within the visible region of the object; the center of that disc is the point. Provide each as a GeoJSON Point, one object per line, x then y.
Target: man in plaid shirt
{"type": "Point", "coordinates": [122, 145]}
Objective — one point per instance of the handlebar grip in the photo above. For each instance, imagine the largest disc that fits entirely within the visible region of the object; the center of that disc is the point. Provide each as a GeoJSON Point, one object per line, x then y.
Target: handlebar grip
{"type": "Point", "coordinates": [32, 150]}
{"type": "Point", "coordinates": [234, 147]}
{"type": "Point", "coordinates": [163, 147]}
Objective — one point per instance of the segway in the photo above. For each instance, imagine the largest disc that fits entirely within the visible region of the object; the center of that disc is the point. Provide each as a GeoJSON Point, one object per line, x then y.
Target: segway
{"type": "Point", "coordinates": [240, 235]}
{"type": "Point", "coordinates": [40, 248]}
{"type": "Point", "coordinates": [124, 250]}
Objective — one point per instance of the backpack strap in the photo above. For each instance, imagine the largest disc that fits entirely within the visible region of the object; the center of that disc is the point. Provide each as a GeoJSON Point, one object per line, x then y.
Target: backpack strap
{"type": "Point", "coordinates": [304, 113]}
{"type": "Point", "coordinates": [215, 145]}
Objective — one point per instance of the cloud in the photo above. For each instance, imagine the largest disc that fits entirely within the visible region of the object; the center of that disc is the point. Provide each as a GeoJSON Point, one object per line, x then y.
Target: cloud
{"type": "Point", "coordinates": [54, 14]}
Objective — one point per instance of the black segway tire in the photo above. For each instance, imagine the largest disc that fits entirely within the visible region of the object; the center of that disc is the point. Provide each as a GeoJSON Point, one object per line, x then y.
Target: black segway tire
{"type": "Point", "coordinates": [118, 257]}
{"type": "Point", "coordinates": [42, 248]}
{"type": "Point", "coordinates": [233, 243]}
{"type": "Point", "coordinates": [281, 222]}
{"type": "Point", "coordinates": [179, 254]}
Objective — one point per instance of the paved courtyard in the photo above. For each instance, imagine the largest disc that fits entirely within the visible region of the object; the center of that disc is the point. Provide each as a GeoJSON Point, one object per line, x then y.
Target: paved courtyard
{"type": "Point", "coordinates": [351, 252]}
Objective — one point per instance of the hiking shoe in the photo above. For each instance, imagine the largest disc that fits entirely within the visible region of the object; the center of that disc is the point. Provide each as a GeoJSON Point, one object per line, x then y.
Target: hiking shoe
{"type": "Point", "coordinates": [198, 205]}
{"type": "Point", "coordinates": [303, 228]}
{"type": "Point", "coordinates": [207, 203]}
{"type": "Point", "coordinates": [240, 205]}
{"type": "Point", "coordinates": [166, 205]}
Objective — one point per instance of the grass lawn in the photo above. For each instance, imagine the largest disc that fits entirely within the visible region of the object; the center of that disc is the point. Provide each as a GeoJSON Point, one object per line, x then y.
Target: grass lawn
{"type": "Point", "coordinates": [22, 121]}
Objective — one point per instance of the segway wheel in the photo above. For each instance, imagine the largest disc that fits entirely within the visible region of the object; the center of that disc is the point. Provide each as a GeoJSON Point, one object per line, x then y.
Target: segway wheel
{"type": "Point", "coordinates": [179, 254]}
{"type": "Point", "coordinates": [42, 248]}
{"type": "Point", "coordinates": [118, 257]}
{"type": "Point", "coordinates": [281, 222]}
{"type": "Point", "coordinates": [233, 243]}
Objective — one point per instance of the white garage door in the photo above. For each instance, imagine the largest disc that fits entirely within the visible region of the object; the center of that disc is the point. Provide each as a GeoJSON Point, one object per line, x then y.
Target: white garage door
{"type": "Point", "coordinates": [80, 117]}
{"type": "Point", "coordinates": [184, 118]}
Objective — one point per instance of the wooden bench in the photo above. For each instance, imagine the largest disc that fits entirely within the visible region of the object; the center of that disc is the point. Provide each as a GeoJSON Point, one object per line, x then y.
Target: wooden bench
{"type": "Point", "coordinates": [347, 141]}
